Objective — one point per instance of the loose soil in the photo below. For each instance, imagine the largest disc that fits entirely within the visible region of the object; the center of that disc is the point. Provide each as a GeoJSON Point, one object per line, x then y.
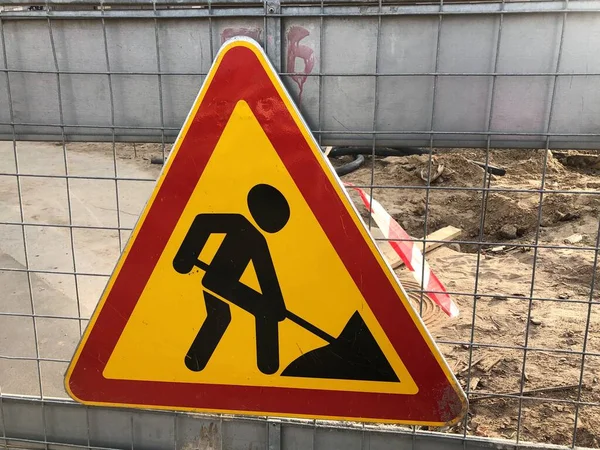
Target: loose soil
{"type": "Point", "coordinates": [493, 283]}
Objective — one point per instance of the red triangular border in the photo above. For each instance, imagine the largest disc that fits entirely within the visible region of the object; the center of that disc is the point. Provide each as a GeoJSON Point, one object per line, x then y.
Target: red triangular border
{"type": "Point", "coordinates": [241, 76]}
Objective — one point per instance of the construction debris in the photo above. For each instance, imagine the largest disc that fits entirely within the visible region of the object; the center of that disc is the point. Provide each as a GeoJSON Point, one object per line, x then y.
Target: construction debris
{"type": "Point", "coordinates": [573, 239]}
{"type": "Point", "coordinates": [432, 241]}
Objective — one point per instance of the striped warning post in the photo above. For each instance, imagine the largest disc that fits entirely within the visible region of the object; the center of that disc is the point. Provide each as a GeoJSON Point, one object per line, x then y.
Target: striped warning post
{"type": "Point", "coordinates": [409, 252]}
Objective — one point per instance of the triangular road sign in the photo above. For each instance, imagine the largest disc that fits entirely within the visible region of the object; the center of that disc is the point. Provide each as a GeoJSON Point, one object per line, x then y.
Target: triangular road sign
{"type": "Point", "coordinates": [251, 285]}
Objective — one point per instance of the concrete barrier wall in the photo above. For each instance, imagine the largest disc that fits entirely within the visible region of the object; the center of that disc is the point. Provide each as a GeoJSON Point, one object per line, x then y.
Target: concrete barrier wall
{"type": "Point", "coordinates": [520, 74]}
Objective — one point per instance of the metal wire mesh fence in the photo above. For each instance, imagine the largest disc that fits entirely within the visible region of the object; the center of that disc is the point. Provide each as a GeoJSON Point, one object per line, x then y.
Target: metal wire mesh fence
{"type": "Point", "coordinates": [92, 93]}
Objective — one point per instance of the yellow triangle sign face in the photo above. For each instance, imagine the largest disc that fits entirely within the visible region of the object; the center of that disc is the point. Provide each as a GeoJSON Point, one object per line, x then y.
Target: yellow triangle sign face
{"type": "Point", "coordinates": [329, 302]}
{"type": "Point", "coordinates": [250, 284]}
{"type": "Point", "coordinates": [250, 279]}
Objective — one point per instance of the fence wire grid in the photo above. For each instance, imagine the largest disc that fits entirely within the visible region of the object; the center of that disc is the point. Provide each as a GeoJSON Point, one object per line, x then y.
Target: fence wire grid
{"type": "Point", "coordinates": [500, 97]}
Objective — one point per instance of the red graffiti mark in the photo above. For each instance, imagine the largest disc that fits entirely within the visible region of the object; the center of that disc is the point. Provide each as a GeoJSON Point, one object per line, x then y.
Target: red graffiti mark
{"type": "Point", "coordinates": [228, 33]}
{"type": "Point", "coordinates": [296, 50]}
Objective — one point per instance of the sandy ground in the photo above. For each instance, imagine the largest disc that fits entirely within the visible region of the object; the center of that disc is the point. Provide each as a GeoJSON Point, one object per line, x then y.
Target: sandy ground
{"type": "Point", "coordinates": [492, 286]}
{"type": "Point", "coordinates": [496, 313]}
{"type": "Point", "coordinates": [59, 299]}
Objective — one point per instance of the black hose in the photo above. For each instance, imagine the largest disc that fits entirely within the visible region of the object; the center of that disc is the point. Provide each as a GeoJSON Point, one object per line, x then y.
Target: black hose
{"type": "Point", "coordinates": [359, 158]}
{"type": "Point", "coordinates": [378, 151]}
{"type": "Point", "coordinates": [357, 152]}
{"type": "Point", "coordinates": [351, 166]}
{"type": "Point", "coordinates": [491, 169]}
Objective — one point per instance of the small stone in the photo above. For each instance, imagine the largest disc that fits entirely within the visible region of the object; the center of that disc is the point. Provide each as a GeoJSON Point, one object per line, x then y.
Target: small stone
{"type": "Point", "coordinates": [563, 296]}
{"type": "Point", "coordinates": [573, 239]}
{"type": "Point", "coordinates": [535, 321]}
{"type": "Point", "coordinates": [420, 210]}
{"type": "Point", "coordinates": [508, 232]}
{"type": "Point", "coordinates": [454, 246]}
{"type": "Point", "coordinates": [482, 430]}
{"type": "Point", "coordinates": [568, 216]}
{"type": "Point", "coordinates": [473, 383]}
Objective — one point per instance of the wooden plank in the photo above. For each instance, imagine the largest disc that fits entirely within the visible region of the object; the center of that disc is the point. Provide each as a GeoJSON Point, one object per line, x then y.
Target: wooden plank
{"type": "Point", "coordinates": [445, 234]}
{"type": "Point", "coordinates": [389, 253]}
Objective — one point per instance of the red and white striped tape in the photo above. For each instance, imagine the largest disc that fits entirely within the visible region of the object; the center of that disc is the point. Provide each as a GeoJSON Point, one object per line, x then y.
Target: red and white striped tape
{"type": "Point", "coordinates": [409, 252]}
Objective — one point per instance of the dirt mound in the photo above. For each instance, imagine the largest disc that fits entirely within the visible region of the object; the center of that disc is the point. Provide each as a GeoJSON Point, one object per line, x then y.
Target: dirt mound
{"type": "Point", "coordinates": [510, 206]}
{"type": "Point", "coordinates": [534, 394]}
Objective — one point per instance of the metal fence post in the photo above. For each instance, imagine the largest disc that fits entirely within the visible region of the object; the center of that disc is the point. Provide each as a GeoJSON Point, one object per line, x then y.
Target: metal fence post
{"type": "Point", "coordinates": [273, 33]}
{"type": "Point", "coordinates": [274, 435]}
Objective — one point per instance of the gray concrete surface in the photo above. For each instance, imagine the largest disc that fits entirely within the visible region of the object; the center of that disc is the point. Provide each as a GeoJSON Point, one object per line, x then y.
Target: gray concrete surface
{"type": "Point", "coordinates": [93, 251]}
{"type": "Point", "coordinates": [339, 93]}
